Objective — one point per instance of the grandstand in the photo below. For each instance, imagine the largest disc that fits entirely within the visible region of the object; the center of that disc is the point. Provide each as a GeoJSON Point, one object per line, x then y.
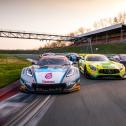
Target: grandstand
{"type": "Point", "coordinates": [114, 33]}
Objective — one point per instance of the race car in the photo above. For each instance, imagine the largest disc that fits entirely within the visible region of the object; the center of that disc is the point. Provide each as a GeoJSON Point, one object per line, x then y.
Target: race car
{"type": "Point", "coordinates": [119, 58]}
{"type": "Point", "coordinates": [96, 66]}
{"type": "Point", "coordinates": [50, 74]}
{"type": "Point", "coordinates": [46, 54]}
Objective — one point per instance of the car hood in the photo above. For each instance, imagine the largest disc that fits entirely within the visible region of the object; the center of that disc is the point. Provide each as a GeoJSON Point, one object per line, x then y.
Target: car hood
{"type": "Point", "coordinates": [50, 74]}
{"type": "Point", "coordinates": [105, 64]}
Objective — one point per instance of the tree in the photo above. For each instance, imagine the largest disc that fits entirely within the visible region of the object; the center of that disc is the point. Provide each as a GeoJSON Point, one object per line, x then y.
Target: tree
{"type": "Point", "coordinates": [72, 34]}
{"type": "Point", "coordinates": [115, 20]}
{"type": "Point", "coordinates": [81, 30]}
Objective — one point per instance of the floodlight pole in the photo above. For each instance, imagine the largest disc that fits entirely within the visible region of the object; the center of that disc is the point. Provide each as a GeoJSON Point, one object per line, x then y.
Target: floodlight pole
{"type": "Point", "coordinates": [90, 44]}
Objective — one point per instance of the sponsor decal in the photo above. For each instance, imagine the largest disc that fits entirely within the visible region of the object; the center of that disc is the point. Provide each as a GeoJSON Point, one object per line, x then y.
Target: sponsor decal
{"type": "Point", "coordinates": [48, 82]}
{"type": "Point", "coordinates": [48, 76]}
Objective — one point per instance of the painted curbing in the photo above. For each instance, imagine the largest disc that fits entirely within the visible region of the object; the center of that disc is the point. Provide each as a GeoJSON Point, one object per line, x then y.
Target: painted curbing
{"type": "Point", "coordinates": [14, 87]}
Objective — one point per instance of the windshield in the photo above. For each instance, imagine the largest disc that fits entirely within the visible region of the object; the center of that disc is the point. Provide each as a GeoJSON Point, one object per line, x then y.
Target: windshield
{"type": "Point", "coordinates": [74, 54]}
{"type": "Point", "coordinates": [53, 61]}
{"type": "Point", "coordinates": [96, 58]}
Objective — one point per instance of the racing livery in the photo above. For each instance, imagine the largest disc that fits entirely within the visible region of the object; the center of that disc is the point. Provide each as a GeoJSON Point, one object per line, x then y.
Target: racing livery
{"type": "Point", "coordinates": [51, 74]}
{"type": "Point", "coordinates": [96, 65]}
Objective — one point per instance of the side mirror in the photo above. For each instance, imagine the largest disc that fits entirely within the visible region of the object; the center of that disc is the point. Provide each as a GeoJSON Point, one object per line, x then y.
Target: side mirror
{"type": "Point", "coordinates": [82, 58]}
{"type": "Point", "coordinates": [33, 63]}
{"type": "Point", "coordinates": [78, 58]}
{"type": "Point", "coordinates": [40, 56]}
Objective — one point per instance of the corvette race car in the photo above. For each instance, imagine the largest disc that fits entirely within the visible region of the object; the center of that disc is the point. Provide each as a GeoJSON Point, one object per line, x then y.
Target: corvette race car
{"type": "Point", "coordinates": [50, 74]}
{"type": "Point", "coordinates": [96, 65]}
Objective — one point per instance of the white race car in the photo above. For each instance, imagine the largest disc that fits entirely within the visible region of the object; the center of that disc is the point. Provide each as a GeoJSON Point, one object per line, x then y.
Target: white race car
{"type": "Point", "coordinates": [50, 74]}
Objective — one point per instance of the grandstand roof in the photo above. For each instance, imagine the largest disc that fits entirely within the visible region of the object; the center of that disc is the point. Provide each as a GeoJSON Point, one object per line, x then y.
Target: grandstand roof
{"type": "Point", "coordinates": [109, 28]}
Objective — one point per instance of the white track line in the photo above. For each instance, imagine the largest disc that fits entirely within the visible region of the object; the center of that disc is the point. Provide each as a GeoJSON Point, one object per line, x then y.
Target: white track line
{"type": "Point", "coordinates": [29, 116]}
{"type": "Point", "coordinates": [35, 120]}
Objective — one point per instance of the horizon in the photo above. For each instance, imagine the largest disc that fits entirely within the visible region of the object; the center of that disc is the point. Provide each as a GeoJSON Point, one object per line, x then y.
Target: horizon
{"type": "Point", "coordinates": [52, 17]}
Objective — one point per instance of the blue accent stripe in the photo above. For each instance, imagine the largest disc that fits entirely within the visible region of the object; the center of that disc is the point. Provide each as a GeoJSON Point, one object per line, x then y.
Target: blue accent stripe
{"type": "Point", "coordinates": [34, 76]}
{"type": "Point", "coordinates": [50, 70]}
{"type": "Point", "coordinates": [64, 76]}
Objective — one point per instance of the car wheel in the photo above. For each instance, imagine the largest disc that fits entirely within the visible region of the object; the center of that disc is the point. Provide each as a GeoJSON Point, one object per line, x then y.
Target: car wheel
{"type": "Point", "coordinates": [86, 74]}
{"type": "Point", "coordinates": [79, 67]}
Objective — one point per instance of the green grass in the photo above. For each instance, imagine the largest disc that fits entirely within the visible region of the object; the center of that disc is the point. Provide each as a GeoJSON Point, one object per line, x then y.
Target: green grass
{"type": "Point", "coordinates": [113, 48]}
{"type": "Point", "coordinates": [10, 69]}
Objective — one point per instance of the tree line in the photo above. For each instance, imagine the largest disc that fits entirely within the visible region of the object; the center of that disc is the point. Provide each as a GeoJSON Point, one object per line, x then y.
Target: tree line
{"type": "Point", "coordinates": [120, 18]}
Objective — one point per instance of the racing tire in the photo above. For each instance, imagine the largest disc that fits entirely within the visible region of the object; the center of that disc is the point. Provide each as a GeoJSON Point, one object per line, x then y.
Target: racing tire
{"type": "Point", "coordinates": [24, 90]}
{"type": "Point", "coordinates": [86, 74]}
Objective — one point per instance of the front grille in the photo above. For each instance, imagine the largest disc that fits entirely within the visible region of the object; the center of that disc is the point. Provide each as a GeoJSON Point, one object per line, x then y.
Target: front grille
{"type": "Point", "coordinates": [109, 71]}
{"type": "Point", "coordinates": [49, 86]}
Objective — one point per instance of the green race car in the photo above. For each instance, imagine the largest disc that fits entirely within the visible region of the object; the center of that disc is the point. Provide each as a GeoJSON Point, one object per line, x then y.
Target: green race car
{"type": "Point", "coordinates": [99, 66]}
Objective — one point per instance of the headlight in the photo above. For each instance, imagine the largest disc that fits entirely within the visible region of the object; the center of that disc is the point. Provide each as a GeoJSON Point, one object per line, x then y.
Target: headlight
{"type": "Point", "coordinates": [70, 73]}
{"type": "Point", "coordinates": [29, 72]}
{"type": "Point", "coordinates": [121, 67]}
{"type": "Point", "coordinates": [93, 67]}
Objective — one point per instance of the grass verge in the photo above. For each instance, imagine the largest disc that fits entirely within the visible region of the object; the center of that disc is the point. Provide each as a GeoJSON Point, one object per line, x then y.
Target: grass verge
{"type": "Point", "coordinates": [110, 48]}
{"type": "Point", "coordinates": [10, 69]}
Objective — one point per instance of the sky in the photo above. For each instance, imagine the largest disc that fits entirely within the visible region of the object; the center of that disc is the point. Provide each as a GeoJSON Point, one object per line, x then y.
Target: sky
{"type": "Point", "coordinates": [52, 17]}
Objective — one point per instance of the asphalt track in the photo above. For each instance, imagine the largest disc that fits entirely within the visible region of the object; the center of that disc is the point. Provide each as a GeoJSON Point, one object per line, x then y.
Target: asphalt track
{"type": "Point", "coordinates": [98, 103]}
